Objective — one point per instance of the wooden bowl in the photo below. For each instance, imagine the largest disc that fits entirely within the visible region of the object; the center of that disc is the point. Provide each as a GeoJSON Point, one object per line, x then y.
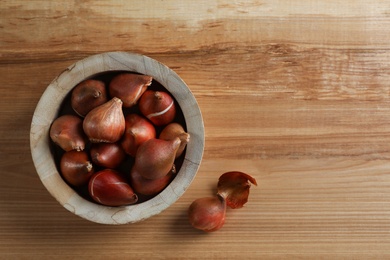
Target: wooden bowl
{"type": "Point", "coordinates": [48, 109]}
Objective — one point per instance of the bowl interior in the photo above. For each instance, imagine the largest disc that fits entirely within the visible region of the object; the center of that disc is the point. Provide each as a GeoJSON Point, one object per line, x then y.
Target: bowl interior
{"type": "Point", "coordinates": [50, 106]}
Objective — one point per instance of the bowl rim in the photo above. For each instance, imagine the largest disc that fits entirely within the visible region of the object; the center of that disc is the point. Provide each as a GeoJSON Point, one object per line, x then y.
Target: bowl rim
{"type": "Point", "coordinates": [57, 91]}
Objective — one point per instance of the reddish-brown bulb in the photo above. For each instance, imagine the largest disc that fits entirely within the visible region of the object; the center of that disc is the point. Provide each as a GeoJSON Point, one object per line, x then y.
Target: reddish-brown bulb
{"type": "Point", "coordinates": [110, 188]}
{"type": "Point", "coordinates": [76, 167]}
{"type": "Point", "coordinates": [158, 106]}
{"type": "Point", "coordinates": [207, 214]}
{"type": "Point", "coordinates": [137, 131]}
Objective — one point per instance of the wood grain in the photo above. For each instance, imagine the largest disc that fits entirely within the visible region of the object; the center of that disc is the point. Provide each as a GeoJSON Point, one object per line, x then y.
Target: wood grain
{"type": "Point", "coordinates": [295, 93]}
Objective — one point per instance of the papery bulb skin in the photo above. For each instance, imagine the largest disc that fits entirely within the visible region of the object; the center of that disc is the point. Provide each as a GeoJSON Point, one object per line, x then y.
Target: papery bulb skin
{"type": "Point", "coordinates": [76, 167]}
{"type": "Point", "coordinates": [234, 186]}
{"type": "Point", "coordinates": [105, 123]}
{"type": "Point", "coordinates": [67, 132]}
{"type": "Point", "coordinates": [108, 187]}
{"type": "Point", "coordinates": [173, 130]}
{"type": "Point", "coordinates": [155, 157]}
{"type": "Point", "coordinates": [87, 95]}
{"type": "Point", "coordinates": [108, 155]}
{"type": "Point", "coordinates": [129, 87]}
{"type": "Point", "coordinates": [149, 187]}
{"type": "Point", "coordinates": [137, 131]}
{"type": "Point", "coordinates": [207, 214]}
{"type": "Point", "coordinates": [158, 106]}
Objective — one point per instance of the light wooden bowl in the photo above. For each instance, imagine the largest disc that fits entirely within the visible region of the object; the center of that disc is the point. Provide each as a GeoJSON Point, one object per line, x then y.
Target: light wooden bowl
{"type": "Point", "coordinates": [48, 108]}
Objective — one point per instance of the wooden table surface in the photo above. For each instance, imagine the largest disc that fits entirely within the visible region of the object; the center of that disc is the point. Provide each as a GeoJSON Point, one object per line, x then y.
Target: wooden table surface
{"type": "Point", "coordinates": [295, 93]}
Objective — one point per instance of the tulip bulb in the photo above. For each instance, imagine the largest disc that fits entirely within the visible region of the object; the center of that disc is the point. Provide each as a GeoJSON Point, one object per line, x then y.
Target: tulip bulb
{"type": "Point", "coordinates": [76, 167]}
{"type": "Point", "coordinates": [149, 187]}
{"type": "Point", "coordinates": [155, 157]}
{"type": "Point", "coordinates": [105, 123]}
{"type": "Point", "coordinates": [67, 132]}
{"type": "Point", "coordinates": [173, 130]}
{"type": "Point", "coordinates": [207, 214]}
{"type": "Point", "coordinates": [87, 95]}
{"type": "Point", "coordinates": [129, 87]}
{"type": "Point", "coordinates": [109, 188]}
{"type": "Point", "coordinates": [137, 131]}
{"type": "Point", "coordinates": [158, 106]}
{"type": "Point", "coordinates": [108, 155]}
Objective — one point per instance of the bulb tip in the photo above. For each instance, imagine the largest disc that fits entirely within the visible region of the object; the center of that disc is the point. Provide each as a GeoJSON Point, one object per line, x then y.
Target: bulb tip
{"type": "Point", "coordinates": [118, 100]}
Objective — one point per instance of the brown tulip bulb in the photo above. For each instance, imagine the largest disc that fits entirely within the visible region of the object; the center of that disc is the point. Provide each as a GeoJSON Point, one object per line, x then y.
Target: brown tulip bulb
{"type": "Point", "coordinates": [108, 187]}
{"type": "Point", "coordinates": [87, 95]}
{"type": "Point", "coordinates": [137, 131]}
{"type": "Point", "coordinates": [173, 130]}
{"type": "Point", "coordinates": [105, 123]}
{"type": "Point", "coordinates": [108, 155]}
{"type": "Point", "coordinates": [129, 87]}
{"type": "Point", "coordinates": [149, 187]}
{"type": "Point", "coordinates": [158, 106]}
{"type": "Point", "coordinates": [155, 157]}
{"type": "Point", "coordinates": [67, 132]}
{"type": "Point", "coordinates": [207, 214]}
{"type": "Point", "coordinates": [76, 168]}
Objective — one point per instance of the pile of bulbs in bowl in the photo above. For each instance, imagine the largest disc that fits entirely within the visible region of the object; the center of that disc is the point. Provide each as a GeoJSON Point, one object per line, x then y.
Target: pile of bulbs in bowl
{"type": "Point", "coordinates": [120, 125]}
